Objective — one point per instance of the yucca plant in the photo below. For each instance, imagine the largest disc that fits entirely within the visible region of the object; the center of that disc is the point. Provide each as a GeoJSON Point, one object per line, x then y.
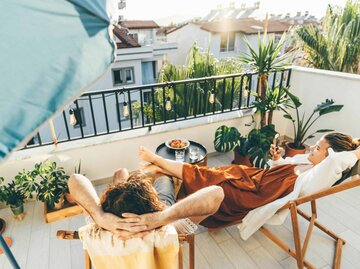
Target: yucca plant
{"type": "Point", "coordinates": [301, 125]}
{"type": "Point", "coordinates": [335, 44]}
{"type": "Point", "coordinates": [274, 100]}
{"type": "Point", "coordinates": [263, 60]}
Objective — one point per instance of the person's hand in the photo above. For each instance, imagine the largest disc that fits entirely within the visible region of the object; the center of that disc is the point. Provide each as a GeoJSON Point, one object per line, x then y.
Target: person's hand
{"type": "Point", "coordinates": [118, 225]}
{"type": "Point", "coordinates": [150, 221]}
{"type": "Point", "coordinates": [275, 152]}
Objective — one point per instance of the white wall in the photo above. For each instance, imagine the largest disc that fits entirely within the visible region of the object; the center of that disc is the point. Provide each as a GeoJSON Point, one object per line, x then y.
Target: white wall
{"type": "Point", "coordinates": [106, 82]}
{"type": "Point", "coordinates": [313, 86]}
{"type": "Point", "coordinates": [100, 156]}
{"type": "Point", "coordinates": [185, 38]}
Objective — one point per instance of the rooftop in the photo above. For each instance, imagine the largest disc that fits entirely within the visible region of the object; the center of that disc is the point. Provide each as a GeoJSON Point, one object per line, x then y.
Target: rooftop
{"type": "Point", "coordinates": [246, 26]}
{"type": "Point", "coordinates": [125, 38]}
{"type": "Point", "coordinates": [139, 24]}
{"type": "Point", "coordinates": [34, 241]}
{"type": "Point", "coordinates": [35, 244]}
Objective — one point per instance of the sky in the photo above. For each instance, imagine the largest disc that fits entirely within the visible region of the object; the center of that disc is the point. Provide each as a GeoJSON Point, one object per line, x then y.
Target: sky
{"type": "Point", "coordinates": [179, 10]}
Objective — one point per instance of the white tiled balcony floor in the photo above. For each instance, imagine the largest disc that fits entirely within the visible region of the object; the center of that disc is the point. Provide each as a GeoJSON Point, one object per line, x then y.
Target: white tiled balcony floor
{"type": "Point", "coordinates": [35, 245]}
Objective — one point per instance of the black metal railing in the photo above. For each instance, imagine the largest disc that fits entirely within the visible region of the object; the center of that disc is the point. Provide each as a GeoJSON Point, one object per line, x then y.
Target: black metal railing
{"type": "Point", "coordinates": [104, 112]}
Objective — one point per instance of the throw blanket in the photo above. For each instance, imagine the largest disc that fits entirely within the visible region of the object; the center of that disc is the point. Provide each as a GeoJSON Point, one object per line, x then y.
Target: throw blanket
{"type": "Point", "coordinates": [157, 250]}
{"type": "Point", "coordinates": [321, 176]}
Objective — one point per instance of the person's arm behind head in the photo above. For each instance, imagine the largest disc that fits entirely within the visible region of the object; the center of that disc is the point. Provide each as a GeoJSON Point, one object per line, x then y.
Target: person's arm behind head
{"type": "Point", "coordinates": [85, 195]}
{"type": "Point", "coordinates": [196, 207]}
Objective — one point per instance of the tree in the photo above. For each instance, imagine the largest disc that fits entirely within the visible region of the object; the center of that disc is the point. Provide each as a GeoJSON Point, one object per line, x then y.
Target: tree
{"type": "Point", "coordinates": [335, 44]}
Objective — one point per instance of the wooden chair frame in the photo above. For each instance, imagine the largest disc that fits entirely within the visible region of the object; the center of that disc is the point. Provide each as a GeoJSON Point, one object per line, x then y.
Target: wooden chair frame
{"type": "Point", "coordinates": [299, 252]}
{"type": "Point", "coordinates": [188, 238]}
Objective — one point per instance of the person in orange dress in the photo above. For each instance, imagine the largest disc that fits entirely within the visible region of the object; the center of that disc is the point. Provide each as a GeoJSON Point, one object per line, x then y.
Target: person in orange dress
{"type": "Point", "coordinates": [246, 188]}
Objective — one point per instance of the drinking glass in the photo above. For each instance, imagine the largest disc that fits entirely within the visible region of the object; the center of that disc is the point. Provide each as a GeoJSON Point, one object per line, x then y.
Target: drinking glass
{"type": "Point", "coordinates": [194, 153]}
{"type": "Point", "coordinates": [180, 155]}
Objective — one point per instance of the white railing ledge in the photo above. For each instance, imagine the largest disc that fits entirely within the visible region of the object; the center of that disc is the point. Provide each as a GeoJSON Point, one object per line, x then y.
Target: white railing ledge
{"type": "Point", "coordinates": [331, 74]}
{"type": "Point", "coordinates": [45, 152]}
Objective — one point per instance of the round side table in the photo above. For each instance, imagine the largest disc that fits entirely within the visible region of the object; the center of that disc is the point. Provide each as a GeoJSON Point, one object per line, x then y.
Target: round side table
{"type": "Point", "coordinates": [163, 151]}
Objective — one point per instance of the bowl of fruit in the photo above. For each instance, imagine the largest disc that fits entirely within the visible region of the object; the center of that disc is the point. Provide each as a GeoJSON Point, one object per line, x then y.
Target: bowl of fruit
{"type": "Point", "coordinates": [177, 144]}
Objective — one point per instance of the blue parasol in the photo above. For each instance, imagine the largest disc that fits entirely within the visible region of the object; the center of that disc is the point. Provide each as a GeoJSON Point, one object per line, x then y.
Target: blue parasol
{"type": "Point", "coordinates": [50, 51]}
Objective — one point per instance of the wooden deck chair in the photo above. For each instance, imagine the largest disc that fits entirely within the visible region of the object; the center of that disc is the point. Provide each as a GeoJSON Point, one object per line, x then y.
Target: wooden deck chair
{"type": "Point", "coordinates": [188, 238]}
{"type": "Point", "coordinates": [349, 180]}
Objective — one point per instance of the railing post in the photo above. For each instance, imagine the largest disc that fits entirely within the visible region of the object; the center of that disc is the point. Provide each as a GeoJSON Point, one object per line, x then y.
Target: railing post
{"type": "Point", "coordinates": [130, 110]}
{"type": "Point", "coordinates": [79, 113]}
{"type": "Point", "coordinates": [105, 113]}
{"type": "Point", "coordinates": [232, 93]}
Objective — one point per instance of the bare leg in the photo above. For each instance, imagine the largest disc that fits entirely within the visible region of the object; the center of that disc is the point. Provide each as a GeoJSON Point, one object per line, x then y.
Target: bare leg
{"type": "Point", "coordinates": [171, 167]}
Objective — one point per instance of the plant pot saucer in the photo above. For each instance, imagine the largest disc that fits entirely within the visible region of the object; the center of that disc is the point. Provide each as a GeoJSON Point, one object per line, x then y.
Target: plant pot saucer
{"type": "Point", "coordinates": [8, 242]}
{"type": "Point", "coordinates": [2, 225]}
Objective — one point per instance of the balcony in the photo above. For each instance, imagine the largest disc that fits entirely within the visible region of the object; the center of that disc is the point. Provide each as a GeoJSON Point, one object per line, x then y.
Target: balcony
{"type": "Point", "coordinates": [148, 51]}
{"type": "Point", "coordinates": [101, 151]}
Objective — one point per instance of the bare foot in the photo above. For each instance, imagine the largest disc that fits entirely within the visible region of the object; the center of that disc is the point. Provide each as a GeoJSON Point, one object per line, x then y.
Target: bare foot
{"type": "Point", "coordinates": [151, 169]}
{"type": "Point", "coordinates": [146, 155]}
{"type": "Point", "coordinates": [120, 175]}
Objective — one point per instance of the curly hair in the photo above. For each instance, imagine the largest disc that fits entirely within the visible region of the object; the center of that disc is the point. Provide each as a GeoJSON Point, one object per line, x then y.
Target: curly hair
{"type": "Point", "coordinates": [342, 142]}
{"type": "Point", "coordinates": [136, 195]}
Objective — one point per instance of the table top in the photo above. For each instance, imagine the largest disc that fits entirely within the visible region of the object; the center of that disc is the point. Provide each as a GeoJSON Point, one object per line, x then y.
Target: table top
{"type": "Point", "coordinates": [167, 153]}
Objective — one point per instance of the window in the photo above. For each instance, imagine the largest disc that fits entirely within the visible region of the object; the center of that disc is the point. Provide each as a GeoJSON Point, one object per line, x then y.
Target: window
{"type": "Point", "coordinates": [148, 70]}
{"type": "Point", "coordinates": [227, 42]}
{"type": "Point", "coordinates": [123, 76]}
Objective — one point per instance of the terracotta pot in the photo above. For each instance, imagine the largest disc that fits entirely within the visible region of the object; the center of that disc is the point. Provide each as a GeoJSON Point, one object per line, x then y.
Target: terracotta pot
{"type": "Point", "coordinates": [243, 160]}
{"type": "Point", "coordinates": [69, 198]}
{"type": "Point", "coordinates": [290, 151]}
{"type": "Point", "coordinates": [2, 225]}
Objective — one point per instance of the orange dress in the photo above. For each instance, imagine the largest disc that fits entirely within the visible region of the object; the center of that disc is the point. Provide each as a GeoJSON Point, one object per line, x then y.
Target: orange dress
{"type": "Point", "coordinates": [245, 188]}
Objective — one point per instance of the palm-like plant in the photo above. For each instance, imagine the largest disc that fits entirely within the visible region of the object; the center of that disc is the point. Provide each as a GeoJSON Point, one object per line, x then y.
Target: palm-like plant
{"type": "Point", "coordinates": [274, 100]}
{"type": "Point", "coordinates": [335, 45]}
{"type": "Point", "coordinates": [265, 59]}
{"type": "Point", "coordinates": [301, 125]}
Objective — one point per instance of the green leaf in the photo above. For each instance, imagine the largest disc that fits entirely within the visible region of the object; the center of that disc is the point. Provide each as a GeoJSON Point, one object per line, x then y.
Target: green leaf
{"type": "Point", "coordinates": [226, 139]}
{"type": "Point", "coordinates": [287, 116]}
{"type": "Point", "coordinates": [324, 130]}
{"type": "Point", "coordinates": [330, 109]}
{"type": "Point", "coordinates": [293, 98]}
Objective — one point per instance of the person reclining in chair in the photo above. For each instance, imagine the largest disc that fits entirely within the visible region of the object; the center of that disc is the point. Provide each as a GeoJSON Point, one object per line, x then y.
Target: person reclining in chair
{"type": "Point", "coordinates": [245, 188]}
{"type": "Point", "coordinates": [134, 193]}
{"type": "Point", "coordinates": [249, 188]}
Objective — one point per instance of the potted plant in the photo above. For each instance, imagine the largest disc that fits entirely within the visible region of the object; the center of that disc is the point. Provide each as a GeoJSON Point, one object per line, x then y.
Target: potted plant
{"type": "Point", "coordinates": [14, 197]}
{"type": "Point", "coordinates": [275, 99]}
{"type": "Point", "coordinates": [250, 150]}
{"type": "Point", "coordinates": [253, 149]}
{"type": "Point", "coordinates": [301, 125]}
{"type": "Point", "coordinates": [26, 180]}
{"type": "Point", "coordinates": [264, 60]}
{"type": "Point", "coordinates": [53, 184]}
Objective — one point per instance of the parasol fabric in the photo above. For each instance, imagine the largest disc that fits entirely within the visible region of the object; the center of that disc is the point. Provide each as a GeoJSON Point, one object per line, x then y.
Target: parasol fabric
{"type": "Point", "coordinates": [50, 51]}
